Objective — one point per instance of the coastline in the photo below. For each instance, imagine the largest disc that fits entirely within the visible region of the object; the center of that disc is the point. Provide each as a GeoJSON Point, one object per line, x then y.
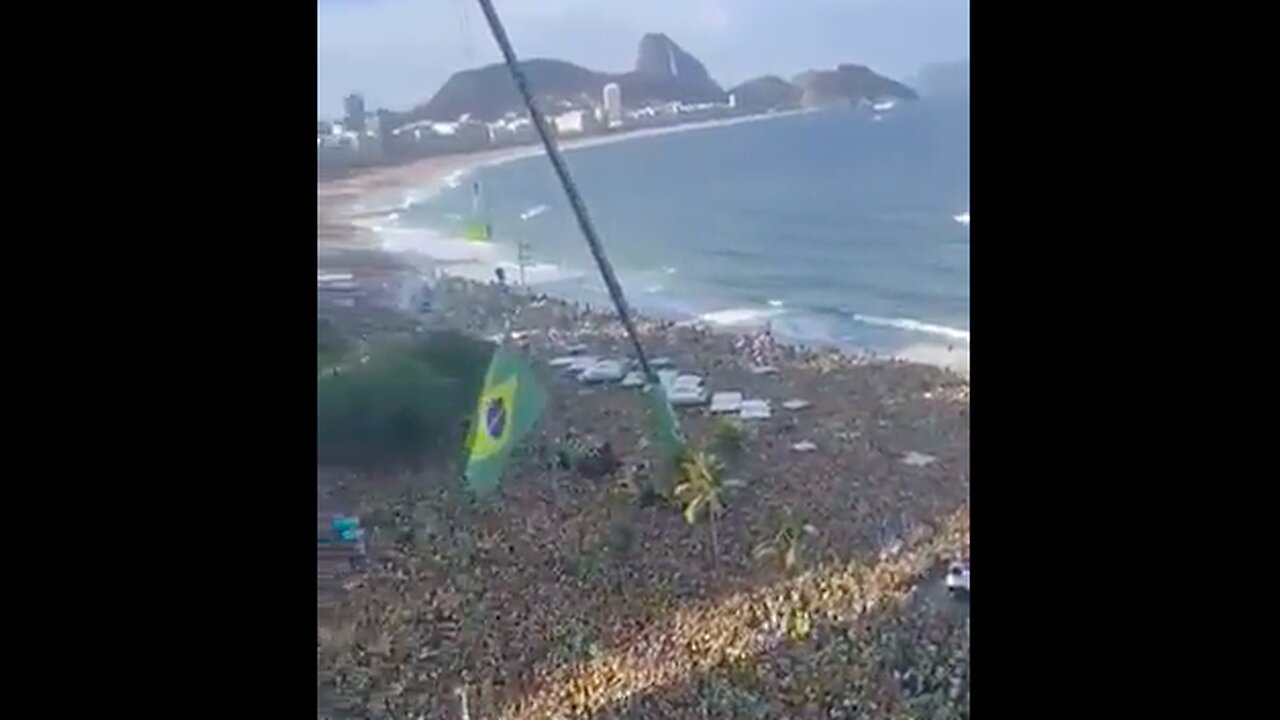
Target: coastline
{"type": "Point", "coordinates": [378, 192]}
{"type": "Point", "coordinates": [349, 207]}
{"type": "Point", "coordinates": [579, 581]}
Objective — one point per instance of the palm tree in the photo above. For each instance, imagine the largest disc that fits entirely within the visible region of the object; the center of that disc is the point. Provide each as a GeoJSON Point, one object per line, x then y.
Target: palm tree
{"type": "Point", "coordinates": [701, 484]}
{"type": "Point", "coordinates": [787, 542]}
{"type": "Point", "coordinates": [728, 438]}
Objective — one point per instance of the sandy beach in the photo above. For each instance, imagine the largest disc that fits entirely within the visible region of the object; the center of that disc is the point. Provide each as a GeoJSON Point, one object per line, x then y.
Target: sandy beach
{"type": "Point", "coordinates": [348, 209]}
{"type": "Point", "coordinates": [380, 191]}
{"type": "Point", "coordinates": [572, 595]}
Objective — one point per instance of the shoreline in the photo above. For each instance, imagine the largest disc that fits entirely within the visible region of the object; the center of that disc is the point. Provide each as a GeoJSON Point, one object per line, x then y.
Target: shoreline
{"type": "Point", "coordinates": [367, 193]}
{"type": "Point", "coordinates": [347, 207]}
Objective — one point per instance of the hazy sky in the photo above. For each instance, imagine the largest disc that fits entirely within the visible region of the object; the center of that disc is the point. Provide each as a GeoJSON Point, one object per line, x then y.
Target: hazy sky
{"type": "Point", "coordinates": [398, 52]}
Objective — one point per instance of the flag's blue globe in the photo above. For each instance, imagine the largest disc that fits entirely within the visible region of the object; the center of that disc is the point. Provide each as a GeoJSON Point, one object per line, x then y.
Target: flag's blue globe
{"type": "Point", "coordinates": [495, 418]}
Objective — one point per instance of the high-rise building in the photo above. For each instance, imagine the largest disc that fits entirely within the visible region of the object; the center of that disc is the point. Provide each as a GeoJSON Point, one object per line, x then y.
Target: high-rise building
{"type": "Point", "coordinates": [353, 104]}
{"type": "Point", "coordinates": [613, 104]}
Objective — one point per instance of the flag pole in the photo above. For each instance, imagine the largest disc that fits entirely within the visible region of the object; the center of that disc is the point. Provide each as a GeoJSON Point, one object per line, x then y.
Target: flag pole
{"type": "Point", "coordinates": [566, 181]}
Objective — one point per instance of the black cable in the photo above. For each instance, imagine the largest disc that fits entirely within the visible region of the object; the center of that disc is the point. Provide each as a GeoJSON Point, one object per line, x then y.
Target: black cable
{"type": "Point", "coordinates": [562, 172]}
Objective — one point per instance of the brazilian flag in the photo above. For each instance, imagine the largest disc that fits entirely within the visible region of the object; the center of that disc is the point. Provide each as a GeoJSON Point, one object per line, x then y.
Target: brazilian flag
{"type": "Point", "coordinates": [509, 405]}
{"type": "Point", "coordinates": [663, 418]}
{"type": "Point", "coordinates": [477, 231]}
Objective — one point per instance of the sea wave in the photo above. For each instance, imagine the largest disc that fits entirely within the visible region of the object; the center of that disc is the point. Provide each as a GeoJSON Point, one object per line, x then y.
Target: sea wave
{"type": "Point", "coordinates": [738, 317]}
{"type": "Point", "coordinates": [533, 212]}
{"type": "Point", "coordinates": [914, 326]}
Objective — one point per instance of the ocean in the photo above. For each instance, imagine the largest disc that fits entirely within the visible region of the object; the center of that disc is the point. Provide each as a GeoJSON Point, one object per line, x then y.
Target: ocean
{"type": "Point", "coordinates": [832, 227]}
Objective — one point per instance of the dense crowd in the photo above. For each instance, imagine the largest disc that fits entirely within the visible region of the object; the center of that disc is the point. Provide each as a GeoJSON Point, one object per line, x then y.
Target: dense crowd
{"type": "Point", "coordinates": [568, 592]}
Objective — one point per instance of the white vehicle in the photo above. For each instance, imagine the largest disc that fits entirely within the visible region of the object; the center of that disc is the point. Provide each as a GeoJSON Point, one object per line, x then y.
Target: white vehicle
{"type": "Point", "coordinates": [604, 371]}
{"type": "Point", "coordinates": [958, 578]}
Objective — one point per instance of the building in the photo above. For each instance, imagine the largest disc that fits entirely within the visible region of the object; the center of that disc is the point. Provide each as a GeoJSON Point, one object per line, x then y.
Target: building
{"type": "Point", "coordinates": [429, 137]}
{"type": "Point", "coordinates": [569, 123]}
{"type": "Point", "coordinates": [355, 119]}
{"type": "Point", "coordinates": [613, 105]}
{"type": "Point", "coordinates": [512, 131]}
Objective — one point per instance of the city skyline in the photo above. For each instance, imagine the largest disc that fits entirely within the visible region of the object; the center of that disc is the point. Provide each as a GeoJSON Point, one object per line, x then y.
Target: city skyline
{"type": "Point", "coordinates": [397, 53]}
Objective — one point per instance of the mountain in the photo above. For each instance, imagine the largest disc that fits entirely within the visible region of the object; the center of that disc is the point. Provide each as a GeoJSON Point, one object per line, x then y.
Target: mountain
{"type": "Point", "coordinates": [848, 84]}
{"type": "Point", "coordinates": [767, 93]}
{"type": "Point", "coordinates": [945, 79]}
{"type": "Point", "coordinates": [488, 93]}
{"type": "Point", "coordinates": [664, 72]}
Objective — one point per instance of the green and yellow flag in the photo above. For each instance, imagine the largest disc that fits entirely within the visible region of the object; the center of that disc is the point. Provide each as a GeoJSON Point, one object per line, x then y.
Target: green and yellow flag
{"type": "Point", "coordinates": [476, 231]}
{"type": "Point", "coordinates": [509, 405]}
{"type": "Point", "coordinates": [666, 427]}
{"type": "Point", "coordinates": [477, 227]}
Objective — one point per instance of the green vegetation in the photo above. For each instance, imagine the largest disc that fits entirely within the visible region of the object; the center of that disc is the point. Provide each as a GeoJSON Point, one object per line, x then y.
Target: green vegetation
{"type": "Point", "coordinates": [728, 438]}
{"type": "Point", "coordinates": [787, 543]}
{"type": "Point", "coordinates": [404, 403]}
{"type": "Point", "coordinates": [700, 486]}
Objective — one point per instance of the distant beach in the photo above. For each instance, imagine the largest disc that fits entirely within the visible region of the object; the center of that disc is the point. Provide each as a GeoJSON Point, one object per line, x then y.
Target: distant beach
{"type": "Point", "coordinates": [378, 192]}
{"type": "Point", "coordinates": [352, 213]}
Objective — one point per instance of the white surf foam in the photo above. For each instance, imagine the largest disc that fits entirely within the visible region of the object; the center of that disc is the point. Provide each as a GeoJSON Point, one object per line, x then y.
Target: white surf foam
{"type": "Point", "coordinates": [738, 317]}
{"type": "Point", "coordinates": [470, 259]}
{"type": "Point", "coordinates": [538, 273]}
{"type": "Point", "coordinates": [915, 326]}
{"type": "Point", "coordinates": [952, 358]}
{"type": "Point", "coordinates": [436, 246]}
{"type": "Point", "coordinates": [533, 212]}
{"type": "Point", "coordinates": [454, 179]}
{"type": "Point", "coordinates": [775, 303]}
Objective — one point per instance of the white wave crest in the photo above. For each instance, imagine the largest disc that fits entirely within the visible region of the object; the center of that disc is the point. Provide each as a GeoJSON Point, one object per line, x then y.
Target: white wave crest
{"type": "Point", "coordinates": [533, 212]}
{"type": "Point", "coordinates": [737, 317]}
{"type": "Point", "coordinates": [915, 326]}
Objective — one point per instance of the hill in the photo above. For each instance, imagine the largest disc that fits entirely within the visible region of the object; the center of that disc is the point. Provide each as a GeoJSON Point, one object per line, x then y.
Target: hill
{"type": "Point", "coordinates": [664, 72]}
{"type": "Point", "coordinates": [488, 93]}
{"type": "Point", "coordinates": [767, 93]}
{"type": "Point", "coordinates": [849, 84]}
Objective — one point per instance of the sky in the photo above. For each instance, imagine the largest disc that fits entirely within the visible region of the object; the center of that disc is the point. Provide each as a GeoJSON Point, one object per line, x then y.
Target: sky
{"type": "Point", "coordinates": [397, 53]}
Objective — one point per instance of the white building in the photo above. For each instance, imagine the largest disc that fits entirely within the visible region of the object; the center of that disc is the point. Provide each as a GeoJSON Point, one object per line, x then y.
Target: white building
{"type": "Point", "coordinates": [613, 105]}
{"type": "Point", "coordinates": [573, 122]}
{"type": "Point", "coordinates": [512, 131]}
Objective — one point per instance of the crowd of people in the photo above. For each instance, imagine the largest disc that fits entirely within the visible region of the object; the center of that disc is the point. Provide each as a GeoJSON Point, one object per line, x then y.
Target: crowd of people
{"type": "Point", "coordinates": [478, 596]}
